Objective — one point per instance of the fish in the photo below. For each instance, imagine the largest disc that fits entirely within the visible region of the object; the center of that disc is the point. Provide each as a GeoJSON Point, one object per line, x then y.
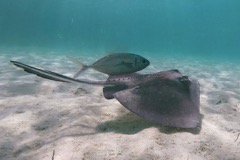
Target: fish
{"type": "Point", "coordinates": [166, 97]}
{"type": "Point", "coordinates": [114, 64]}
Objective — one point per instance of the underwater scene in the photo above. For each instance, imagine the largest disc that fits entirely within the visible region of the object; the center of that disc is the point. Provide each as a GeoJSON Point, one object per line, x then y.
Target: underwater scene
{"type": "Point", "coordinates": [119, 80]}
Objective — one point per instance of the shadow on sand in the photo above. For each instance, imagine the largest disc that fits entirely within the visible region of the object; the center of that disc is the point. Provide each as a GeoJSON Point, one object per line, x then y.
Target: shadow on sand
{"type": "Point", "coordinates": [130, 123]}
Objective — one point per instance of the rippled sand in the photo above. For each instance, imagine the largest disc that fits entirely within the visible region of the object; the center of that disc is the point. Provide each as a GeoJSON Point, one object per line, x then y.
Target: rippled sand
{"type": "Point", "coordinates": [39, 116]}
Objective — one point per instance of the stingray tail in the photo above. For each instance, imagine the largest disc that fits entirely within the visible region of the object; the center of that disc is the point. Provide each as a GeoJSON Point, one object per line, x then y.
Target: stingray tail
{"type": "Point", "coordinates": [82, 66]}
{"type": "Point", "coordinates": [54, 76]}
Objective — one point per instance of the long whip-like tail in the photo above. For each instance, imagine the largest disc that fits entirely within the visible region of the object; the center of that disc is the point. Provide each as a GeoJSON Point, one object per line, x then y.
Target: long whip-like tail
{"type": "Point", "coordinates": [55, 76]}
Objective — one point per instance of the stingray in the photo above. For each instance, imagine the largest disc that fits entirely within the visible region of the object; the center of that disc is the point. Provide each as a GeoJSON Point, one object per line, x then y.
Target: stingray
{"type": "Point", "coordinates": [167, 97]}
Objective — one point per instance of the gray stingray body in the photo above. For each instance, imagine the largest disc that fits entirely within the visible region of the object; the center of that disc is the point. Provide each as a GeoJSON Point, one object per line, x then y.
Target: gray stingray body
{"type": "Point", "coordinates": [166, 97]}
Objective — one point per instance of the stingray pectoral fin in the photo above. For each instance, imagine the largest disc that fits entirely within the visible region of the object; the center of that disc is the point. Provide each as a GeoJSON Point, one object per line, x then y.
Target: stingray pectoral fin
{"type": "Point", "coordinates": [109, 91]}
{"type": "Point", "coordinates": [54, 76]}
{"type": "Point", "coordinates": [164, 104]}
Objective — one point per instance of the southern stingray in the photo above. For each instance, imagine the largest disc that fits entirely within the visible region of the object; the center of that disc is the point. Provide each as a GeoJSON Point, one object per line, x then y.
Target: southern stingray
{"type": "Point", "coordinates": [165, 97]}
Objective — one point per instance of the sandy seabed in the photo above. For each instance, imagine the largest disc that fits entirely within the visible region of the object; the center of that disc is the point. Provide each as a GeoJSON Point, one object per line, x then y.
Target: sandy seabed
{"type": "Point", "coordinates": [39, 117]}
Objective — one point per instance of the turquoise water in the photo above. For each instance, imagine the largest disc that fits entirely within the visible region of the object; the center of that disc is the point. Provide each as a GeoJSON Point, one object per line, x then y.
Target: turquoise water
{"type": "Point", "coordinates": [201, 38]}
{"type": "Point", "coordinates": [208, 29]}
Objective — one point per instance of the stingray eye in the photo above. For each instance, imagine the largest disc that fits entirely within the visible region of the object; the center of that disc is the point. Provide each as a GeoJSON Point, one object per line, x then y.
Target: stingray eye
{"type": "Point", "coordinates": [185, 80]}
{"type": "Point", "coordinates": [144, 61]}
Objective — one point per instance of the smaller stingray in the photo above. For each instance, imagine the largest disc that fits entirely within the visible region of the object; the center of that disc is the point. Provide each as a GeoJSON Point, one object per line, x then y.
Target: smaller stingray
{"type": "Point", "coordinates": [166, 97]}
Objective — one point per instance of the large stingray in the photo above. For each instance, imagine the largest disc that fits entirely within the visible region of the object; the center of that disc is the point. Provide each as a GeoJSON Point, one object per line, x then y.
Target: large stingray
{"type": "Point", "coordinates": [166, 97]}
